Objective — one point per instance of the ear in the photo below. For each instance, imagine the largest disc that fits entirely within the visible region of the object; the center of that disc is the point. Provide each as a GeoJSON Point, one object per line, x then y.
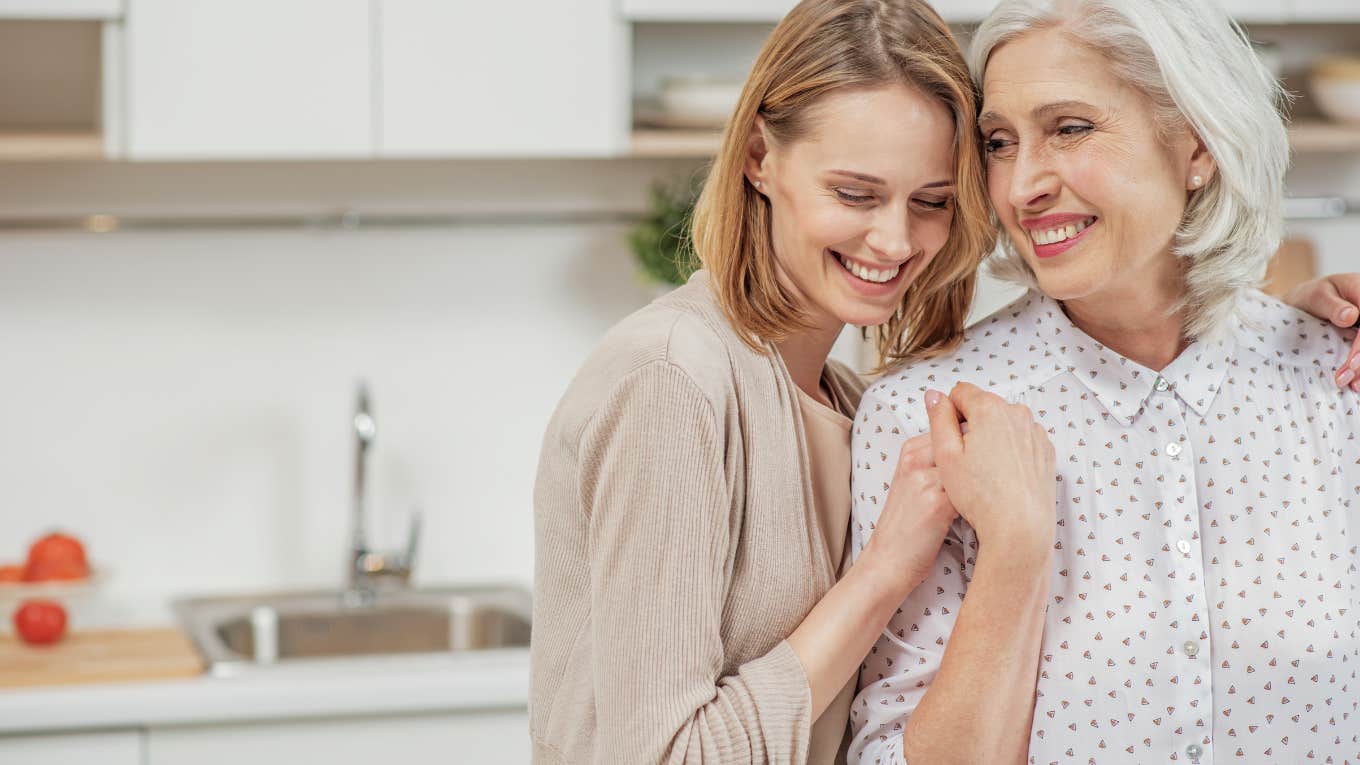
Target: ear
{"type": "Point", "coordinates": [1202, 166]}
{"type": "Point", "coordinates": [757, 151]}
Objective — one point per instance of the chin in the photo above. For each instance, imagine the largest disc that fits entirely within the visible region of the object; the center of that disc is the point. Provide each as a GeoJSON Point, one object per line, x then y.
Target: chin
{"type": "Point", "coordinates": [865, 316]}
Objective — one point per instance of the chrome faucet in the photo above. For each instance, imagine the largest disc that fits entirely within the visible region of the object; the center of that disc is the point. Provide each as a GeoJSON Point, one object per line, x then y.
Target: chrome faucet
{"type": "Point", "coordinates": [370, 568]}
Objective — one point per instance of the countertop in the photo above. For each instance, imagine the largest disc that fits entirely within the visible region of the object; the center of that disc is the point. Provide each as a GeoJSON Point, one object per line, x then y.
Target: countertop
{"type": "Point", "coordinates": [485, 680]}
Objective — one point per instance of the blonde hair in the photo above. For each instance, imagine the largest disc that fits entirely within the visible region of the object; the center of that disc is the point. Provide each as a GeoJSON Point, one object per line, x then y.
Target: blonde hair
{"type": "Point", "coordinates": [824, 46]}
{"type": "Point", "coordinates": [1199, 71]}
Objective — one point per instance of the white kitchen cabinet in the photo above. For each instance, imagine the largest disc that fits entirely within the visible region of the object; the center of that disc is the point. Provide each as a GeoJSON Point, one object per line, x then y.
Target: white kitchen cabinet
{"type": "Point", "coordinates": [491, 736]}
{"type": "Point", "coordinates": [526, 79]}
{"type": "Point", "coordinates": [1325, 10]}
{"type": "Point", "coordinates": [248, 79]}
{"type": "Point", "coordinates": [122, 747]}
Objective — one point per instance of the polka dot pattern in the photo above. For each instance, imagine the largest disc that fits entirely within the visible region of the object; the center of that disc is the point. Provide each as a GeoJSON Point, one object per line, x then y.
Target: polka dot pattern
{"type": "Point", "coordinates": [1204, 587]}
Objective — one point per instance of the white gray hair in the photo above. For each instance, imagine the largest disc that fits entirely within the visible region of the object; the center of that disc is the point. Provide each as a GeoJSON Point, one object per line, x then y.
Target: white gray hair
{"type": "Point", "coordinates": [1198, 69]}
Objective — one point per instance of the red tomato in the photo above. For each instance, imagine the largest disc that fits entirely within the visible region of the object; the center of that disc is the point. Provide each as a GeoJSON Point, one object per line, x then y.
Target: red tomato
{"type": "Point", "coordinates": [11, 573]}
{"type": "Point", "coordinates": [40, 622]}
{"type": "Point", "coordinates": [56, 556]}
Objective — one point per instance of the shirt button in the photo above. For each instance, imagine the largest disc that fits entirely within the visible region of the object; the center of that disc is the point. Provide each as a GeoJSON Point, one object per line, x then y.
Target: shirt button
{"type": "Point", "coordinates": [1183, 546]}
{"type": "Point", "coordinates": [1194, 751]}
{"type": "Point", "coordinates": [1162, 385]}
{"type": "Point", "coordinates": [1191, 648]}
{"type": "Point", "coordinates": [1173, 449]}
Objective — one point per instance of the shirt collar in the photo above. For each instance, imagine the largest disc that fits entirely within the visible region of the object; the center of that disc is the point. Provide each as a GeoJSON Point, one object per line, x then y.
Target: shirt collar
{"type": "Point", "coordinates": [1123, 386]}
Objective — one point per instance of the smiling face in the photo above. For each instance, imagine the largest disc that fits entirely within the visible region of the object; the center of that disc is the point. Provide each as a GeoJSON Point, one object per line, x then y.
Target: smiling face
{"type": "Point", "coordinates": [860, 204]}
{"type": "Point", "coordinates": [1083, 182]}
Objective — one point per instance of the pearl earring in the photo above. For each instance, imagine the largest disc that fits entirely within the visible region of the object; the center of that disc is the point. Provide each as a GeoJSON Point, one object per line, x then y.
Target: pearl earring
{"type": "Point", "coordinates": [1197, 181]}
{"type": "Point", "coordinates": [757, 184]}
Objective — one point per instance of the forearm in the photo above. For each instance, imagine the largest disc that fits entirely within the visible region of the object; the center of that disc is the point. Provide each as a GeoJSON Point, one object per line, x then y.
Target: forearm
{"type": "Point", "coordinates": [839, 631]}
{"type": "Point", "coordinates": [980, 706]}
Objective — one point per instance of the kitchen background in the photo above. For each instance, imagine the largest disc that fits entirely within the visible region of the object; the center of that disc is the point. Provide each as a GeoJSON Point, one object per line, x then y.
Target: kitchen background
{"type": "Point", "coordinates": [217, 216]}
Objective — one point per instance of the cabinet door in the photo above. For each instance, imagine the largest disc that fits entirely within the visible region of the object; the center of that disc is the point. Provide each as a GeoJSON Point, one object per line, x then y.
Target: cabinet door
{"type": "Point", "coordinates": [242, 79]}
{"type": "Point", "coordinates": [436, 739]}
{"type": "Point", "coordinates": [1258, 11]}
{"type": "Point", "coordinates": [1325, 10]}
{"type": "Point", "coordinates": [532, 78]}
{"type": "Point", "coordinates": [105, 748]}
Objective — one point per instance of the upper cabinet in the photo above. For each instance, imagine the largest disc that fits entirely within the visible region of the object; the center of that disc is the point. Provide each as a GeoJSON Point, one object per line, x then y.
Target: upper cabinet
{"type": "Point", "coordinates": [248, 79]}
{"type": "Point", "coordinates": [461, 79]}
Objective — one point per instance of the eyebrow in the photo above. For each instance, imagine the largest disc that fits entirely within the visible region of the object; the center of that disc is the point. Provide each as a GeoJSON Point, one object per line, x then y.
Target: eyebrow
{"type": "Point", "coordinates": [1039, 112]}
{"type": "Point", "coordinates": [880, 182]}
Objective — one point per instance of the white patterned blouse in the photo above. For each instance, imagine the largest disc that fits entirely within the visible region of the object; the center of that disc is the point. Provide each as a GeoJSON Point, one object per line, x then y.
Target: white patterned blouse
{"type": "Point", "coordinates": [1205, 602]}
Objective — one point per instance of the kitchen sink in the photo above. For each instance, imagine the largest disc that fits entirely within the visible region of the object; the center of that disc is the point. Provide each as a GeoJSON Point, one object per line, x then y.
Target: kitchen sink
{"type": "Point", "coordinates": [245, 632]}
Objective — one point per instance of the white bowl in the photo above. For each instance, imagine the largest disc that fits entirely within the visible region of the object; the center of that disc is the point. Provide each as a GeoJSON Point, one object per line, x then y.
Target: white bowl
{"type": "Point", "coordinates": [699, 99]}
{"type": "Point", "coordinates": [1338, 98]}
{"type": "Point", "coordinates": [77, 596]}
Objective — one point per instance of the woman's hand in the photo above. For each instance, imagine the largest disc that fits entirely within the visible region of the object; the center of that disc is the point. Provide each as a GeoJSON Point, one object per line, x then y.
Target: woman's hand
{"type": "Point", "coordinates": [1336, 299]}
{"type": "Point", "coordinates": [1000, 476]}
{"type": "Point", "coordinates": [916, 516]}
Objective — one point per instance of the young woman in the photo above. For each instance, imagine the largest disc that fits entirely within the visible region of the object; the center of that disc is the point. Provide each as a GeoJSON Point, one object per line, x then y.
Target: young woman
{"type": "Point", "coordinates": [693, 495]}
{"type": "Point", "coordinates": [692, 598]}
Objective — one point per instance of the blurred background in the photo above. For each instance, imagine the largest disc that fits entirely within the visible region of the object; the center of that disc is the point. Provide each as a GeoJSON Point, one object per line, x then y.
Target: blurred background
{"type": "Point", "coordinates": [219, 217]}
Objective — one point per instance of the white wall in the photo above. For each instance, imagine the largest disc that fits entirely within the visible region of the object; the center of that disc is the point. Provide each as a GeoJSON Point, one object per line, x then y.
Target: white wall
{"type": "Point", "coordinates": [181, 398]}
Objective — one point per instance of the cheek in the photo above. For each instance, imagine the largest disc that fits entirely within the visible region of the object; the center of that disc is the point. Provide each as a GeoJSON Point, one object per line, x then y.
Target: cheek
{"type": "Point", "coordinates": [829, 223]}
{"type": "Point", "coordinates": [999, 192]}
{"type": "Point", "coordinates": [933, 232]}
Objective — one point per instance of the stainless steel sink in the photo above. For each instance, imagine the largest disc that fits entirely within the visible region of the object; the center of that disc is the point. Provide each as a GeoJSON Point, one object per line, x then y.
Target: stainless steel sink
{"type": "Point", "coordinates": [240, 633]}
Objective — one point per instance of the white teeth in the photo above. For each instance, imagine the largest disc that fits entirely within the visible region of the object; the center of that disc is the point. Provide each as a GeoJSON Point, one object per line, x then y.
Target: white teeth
{"type": "Point", "coordinates": [869, 275]}
{"type": "Point", "coordinates": [1061, 233]}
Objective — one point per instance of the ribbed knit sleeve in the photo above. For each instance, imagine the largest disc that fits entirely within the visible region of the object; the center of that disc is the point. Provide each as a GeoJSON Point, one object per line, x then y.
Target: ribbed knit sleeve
{"type": "Point", "coordinates": [659, 516]}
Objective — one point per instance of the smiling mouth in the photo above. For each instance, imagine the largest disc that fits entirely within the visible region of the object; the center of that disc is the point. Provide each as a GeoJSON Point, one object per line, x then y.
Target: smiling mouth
{"type": "Point", "coordinates": [1059, 234]}
{"type": "Point", "coordinates": [870, 275]}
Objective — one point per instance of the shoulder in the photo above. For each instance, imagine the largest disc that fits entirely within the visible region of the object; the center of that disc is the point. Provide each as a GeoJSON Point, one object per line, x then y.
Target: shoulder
{"type": "Point", "coordinates": [1005, 353]}
{"type": "Point", "coordinates": [674, 338]}
{"type": "Point", "coordinates": [1280, 334]}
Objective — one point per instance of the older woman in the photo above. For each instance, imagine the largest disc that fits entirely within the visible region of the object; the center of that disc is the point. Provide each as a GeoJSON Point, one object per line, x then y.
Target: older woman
{"type": "Point", "coordinates": [1201, 601]}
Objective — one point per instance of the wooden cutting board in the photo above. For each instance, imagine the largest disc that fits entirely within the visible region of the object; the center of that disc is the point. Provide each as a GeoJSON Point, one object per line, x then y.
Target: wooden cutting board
{"type": "Point", "coordinates": [99, 656]}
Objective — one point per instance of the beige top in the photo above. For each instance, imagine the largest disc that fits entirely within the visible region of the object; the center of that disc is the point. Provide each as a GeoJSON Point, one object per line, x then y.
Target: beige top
{"type": "Point", "coordinates": [676, 547]}
{"type": "Point", "coordinates": [828, 446]}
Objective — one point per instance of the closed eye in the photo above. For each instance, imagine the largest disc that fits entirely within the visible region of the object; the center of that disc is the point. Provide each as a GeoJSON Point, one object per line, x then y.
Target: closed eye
{"type": "Point", "coordinates": [854, 199]}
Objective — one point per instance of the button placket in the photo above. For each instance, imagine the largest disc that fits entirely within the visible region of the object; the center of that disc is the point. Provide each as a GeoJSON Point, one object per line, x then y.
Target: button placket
{"type": "Point", "coordinates": [1189, 565]}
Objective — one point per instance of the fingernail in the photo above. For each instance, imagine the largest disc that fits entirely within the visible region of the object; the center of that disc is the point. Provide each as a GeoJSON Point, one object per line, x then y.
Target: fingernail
{"type": "Point", "coordinates": [933, 398]}
{"type": "Point", "coordinates": [1349, 314]}
{"type": "Point", "coordinates": [1346, 378]}
{"type": "Point", "coordinates": [1354, 363]}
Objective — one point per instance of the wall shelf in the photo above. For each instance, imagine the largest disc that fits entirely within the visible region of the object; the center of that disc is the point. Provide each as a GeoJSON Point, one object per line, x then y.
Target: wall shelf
{"type": "Point", "coordinates": [1316, 137]}
{"type": "Point", "coordinates": [1309, 137]}
{"type": "Point", "coordinates": [47, 145]}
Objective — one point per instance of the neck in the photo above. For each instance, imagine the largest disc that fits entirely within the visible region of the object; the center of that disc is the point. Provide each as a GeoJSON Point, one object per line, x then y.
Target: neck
{"type": "Point", "coordinates": [1142, 326]}
{"type": "Point", "coordinates": [805, 355]}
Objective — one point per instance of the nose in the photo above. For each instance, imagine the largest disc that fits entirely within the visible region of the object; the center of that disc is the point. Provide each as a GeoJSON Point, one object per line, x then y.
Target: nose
{"type": "Point", "coordinates": [890, 235]}
{"type": "Point", "coordinates": [1033, 180]}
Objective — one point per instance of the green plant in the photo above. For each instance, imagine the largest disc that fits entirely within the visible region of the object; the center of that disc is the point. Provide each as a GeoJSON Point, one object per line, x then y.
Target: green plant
{"type": "Point", "coordinates": [661, 241]}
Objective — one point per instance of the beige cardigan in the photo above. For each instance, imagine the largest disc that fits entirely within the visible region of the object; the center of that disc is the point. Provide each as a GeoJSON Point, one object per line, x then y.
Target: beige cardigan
{"type": "Point", "coordinates": [676, 548]}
